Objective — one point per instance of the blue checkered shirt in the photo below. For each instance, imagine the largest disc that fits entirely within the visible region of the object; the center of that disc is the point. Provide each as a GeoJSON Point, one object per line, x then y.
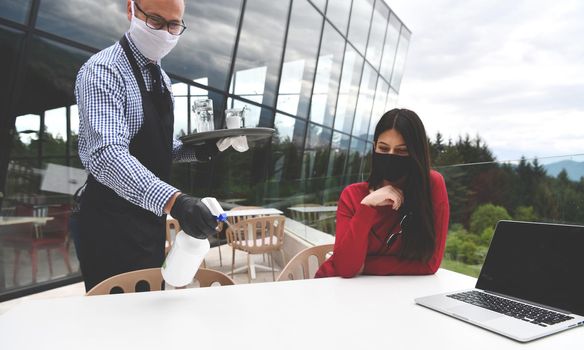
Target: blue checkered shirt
{"type": "Point", "coordinates": [110, 114]}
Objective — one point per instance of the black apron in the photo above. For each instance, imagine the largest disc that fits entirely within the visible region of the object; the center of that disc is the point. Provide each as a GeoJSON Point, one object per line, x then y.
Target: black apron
{"type": "Point", "coordinates": [116, 236]}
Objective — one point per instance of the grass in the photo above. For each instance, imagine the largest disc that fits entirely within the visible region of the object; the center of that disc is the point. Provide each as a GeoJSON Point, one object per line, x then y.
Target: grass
{"type": "Point", "coordinates": [457, 266]}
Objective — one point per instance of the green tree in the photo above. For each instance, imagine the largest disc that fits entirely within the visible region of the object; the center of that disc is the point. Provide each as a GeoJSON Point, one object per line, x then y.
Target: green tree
{"type": "Point", "coordinates": [525, 213]}
{"type": "Point", "coordinates": [487, 216]}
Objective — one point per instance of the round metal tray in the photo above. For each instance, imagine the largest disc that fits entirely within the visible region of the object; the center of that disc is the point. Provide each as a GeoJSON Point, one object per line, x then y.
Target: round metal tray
{"type": "Point", "coordinates": [252, 134]}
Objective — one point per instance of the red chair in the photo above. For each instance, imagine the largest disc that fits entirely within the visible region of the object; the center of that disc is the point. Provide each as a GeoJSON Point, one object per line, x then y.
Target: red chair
{"type": "Point", "coordinates": [53, 235]}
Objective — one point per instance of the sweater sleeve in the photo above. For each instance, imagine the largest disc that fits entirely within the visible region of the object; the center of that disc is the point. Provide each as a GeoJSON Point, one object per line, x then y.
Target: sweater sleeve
{"type": "Point", "coordinates": [392, 265]}
{"type": "Point", "coordinates": [354, 221]}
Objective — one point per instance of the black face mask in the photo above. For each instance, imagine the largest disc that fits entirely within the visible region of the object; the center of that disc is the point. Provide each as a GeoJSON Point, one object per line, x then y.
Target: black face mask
{"type": "Point", "coordinates": [389, 167]}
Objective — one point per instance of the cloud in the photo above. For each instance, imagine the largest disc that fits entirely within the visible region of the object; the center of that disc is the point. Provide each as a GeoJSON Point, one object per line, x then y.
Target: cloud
{"type": "Point", "coordinates": [511, 71]}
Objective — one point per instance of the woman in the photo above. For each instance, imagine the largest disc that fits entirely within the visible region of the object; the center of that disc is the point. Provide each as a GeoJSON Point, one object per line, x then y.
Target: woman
{"type": "Point", "coordinates": [396, 222]}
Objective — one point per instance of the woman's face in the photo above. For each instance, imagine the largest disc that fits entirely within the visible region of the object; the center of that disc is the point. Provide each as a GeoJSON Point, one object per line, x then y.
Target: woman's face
{"type": "Point", "coordinates": [391, 142]}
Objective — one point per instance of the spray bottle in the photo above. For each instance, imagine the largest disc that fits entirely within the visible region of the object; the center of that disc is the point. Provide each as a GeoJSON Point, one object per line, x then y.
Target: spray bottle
{"type": "Point", "coordinates": [187, 252]}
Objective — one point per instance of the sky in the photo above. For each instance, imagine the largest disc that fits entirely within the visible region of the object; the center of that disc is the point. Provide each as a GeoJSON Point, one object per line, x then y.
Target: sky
{"type": "Point", "coordinates": [511, 71]}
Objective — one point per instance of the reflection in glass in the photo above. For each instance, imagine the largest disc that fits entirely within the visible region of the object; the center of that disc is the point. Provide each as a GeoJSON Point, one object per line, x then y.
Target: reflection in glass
{"type": "Point", "coordinates": [10, 41]}
{"type": "Point", "coordinates": [27, 128]}
{"type": "Point", "coordinates": [348, 91]}
{"type": "Point", "coordinates": [356, 157]}
{"type": "Point", "coordinates": [87, 18]}
{"type": "Point", "coordinates": [400, 59]}
{"type": "Point", "coordinates": [320, 4]}
{"type": "Point", "coordinates": [337, 11]}
{"type": "Point", "coordinates": [378, 106]}
{"type": "Point", "coordinates": [390, 47]}
{"type": "Point", "coordinates": [205, 49]}
{"type": "Point", "coordinates": [316, 152]}
{"type": "Point", "coordinates": [359, 23]}
{"type": "Point", "coordinates": [259, 53]}
{"type": "Point", "coordinates": [180, 89]}
{"type": "Point", "coordinates": [55, 132]}
{"type": "Point", "coordinates": [181, 116]}
{"type": "Point", "coordinates": [74, 128]}
{"type": "Point", "coordinates": [391, 102]}
{"type": "Point", "coordinates": [365, 102]}
{"type": "Point", "coordinates": [336, 165]}
{"type": "Point", "coordinates": [252, 112]}
{"type": "Point", "coordinates": [378, 26]}
{"type": "Point", "coordinates": [300, 59]}
{"type": "Point", "coordinates": [15, 10]}
{"type": "Point", "coordinates": [51, 69]}
{"type": "Point", "coordinates": [328, 72]}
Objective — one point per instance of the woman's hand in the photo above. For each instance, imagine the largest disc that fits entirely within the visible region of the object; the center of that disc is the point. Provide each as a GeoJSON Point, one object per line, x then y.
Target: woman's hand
{"type": "Point", "coordinates": [386, 195]}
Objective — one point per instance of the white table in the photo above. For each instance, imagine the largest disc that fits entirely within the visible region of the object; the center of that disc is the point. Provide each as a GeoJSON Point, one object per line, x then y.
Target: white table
{"type": "Point", "coordinates": [360, 313]}
{"type": "Point", "coordinates": [323, 209]}
{"type": "Point", "coordinates": [254, 212]}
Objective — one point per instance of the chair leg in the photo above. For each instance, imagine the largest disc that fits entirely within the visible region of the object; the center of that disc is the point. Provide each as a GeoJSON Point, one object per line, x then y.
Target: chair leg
{"type": "Point", "coordinates": [248, 267]}
{"type": "Point", "coordinates": [283, 258]}
{"type": "Point", "coordinates": [220, 258]}
{"type": "Point", "coordinates": [232, 260]}
{"type": "Point", "coordinates": [271, 258]}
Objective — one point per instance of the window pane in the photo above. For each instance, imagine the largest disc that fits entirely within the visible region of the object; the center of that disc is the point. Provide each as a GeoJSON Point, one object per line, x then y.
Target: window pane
{"type": "Point", "coordinates": [55, 132]}
{"type": "Point", "coordinates": [326, 84]}
{"type": "Point", "coordinates": [300, 59]}
{"type": "Point", "coordinates": [15, 10]}
{"type": "Point", "coordinates": [26, 143]}
{"type": "Point", "coordinates": [365, 102]}
{"type": "Point", "coordinates": [205, 49]}
{"type": "Point", "coordinates": [336, 164]}
{"type": "Point", "coordinates": [181, 116]}
{"type": "Point", "coordinates": [10, 41]}
{"type": "Point", "coordinates": [316, 152]}
{"type": "Point", "coordinates": [74, 112]}
{"type": "Point", "coordinates": [356, 157]}
{"type": "Point", "coordinates": [391, 102]}
{"type": "Point", "coordinates": [337, 11]}
{"type": "Point", "coordinates": [351, 76]}
{"type": "Point", "coordinates": [49, 82]}
{"type": "Point", "coordinates": [259, 53]}
{"type": "Point", "coordinates": [359, 23]}
{"type": "Point", "coordinates": [378, 106]}
{"type": "Point", "coordinates": [96, 23]}
{"type": "Point", "coordinates": [378, 26]}
{"type": "Point", "coordinates": [320, 4]}
{"type": "Point", "coordinates": [390, 46]}
{"type": "Point", "coordinates": [400, 59]}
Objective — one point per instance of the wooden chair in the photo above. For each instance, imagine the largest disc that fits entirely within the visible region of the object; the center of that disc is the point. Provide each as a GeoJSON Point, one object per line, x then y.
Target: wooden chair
{"type": "Point", "coordinates": [299, 266]}
{"type": "Point", "coordinates": [257, 235]}
{"type": "Point", "coordinates": [151, 280]}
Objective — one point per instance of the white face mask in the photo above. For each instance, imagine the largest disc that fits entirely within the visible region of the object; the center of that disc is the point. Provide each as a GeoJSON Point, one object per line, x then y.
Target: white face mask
{"type": "Point", "coordinates": [153, 44]}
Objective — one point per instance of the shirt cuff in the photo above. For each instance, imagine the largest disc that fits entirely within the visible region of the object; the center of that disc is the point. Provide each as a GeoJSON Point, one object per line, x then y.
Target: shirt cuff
{"type": "Point", "coordinates": [157, 195]}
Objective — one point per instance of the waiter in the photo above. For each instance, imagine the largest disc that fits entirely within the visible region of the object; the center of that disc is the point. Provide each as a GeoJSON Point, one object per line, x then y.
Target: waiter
{"type": "Point", "coordinates": [126, 144]}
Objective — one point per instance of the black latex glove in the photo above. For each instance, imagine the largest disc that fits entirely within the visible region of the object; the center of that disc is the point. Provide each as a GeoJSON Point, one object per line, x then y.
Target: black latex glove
{"type": "Point", "coordinates": [194, 217]}
{"type": "Point", "coordinates": [206, 151]}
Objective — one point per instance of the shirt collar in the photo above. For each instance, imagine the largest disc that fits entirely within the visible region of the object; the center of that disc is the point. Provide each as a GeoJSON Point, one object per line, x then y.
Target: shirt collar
{"type": "Point", "coordinates": [140, 58]}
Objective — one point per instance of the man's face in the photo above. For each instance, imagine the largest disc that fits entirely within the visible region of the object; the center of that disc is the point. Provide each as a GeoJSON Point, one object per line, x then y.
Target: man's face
{"type": "Point", "coordinates": [170, 10]}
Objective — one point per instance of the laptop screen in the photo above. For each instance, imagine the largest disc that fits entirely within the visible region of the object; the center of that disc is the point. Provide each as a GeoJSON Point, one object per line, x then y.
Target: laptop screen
{"type": "Point", "coordinates": [541, 263]}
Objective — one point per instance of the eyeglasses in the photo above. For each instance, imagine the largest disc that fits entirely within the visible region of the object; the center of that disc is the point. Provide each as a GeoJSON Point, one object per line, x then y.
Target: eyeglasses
{"type": "Point", "coordinates": [156, 22]}
{"type": "Point", "coordinates": [393, 236]}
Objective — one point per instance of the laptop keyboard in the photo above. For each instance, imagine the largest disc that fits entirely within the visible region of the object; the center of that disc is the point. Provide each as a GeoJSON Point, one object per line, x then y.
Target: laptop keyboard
{"type": "Point", "coordinates": [511, 308]}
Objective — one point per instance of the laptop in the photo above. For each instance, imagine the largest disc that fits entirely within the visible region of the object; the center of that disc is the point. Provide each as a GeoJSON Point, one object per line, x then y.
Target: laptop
{"type": "Point", "coordinates": [531, 284]}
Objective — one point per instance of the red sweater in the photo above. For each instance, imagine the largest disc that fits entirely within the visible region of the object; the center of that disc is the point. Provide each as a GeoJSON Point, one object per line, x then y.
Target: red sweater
{"type": "Point", "coordinates": [355, 244]}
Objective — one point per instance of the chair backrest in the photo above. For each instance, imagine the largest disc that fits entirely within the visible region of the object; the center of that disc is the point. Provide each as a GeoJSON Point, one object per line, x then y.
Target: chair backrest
{"type": "Point", "coordinates": [298, 267]}
{"type": "Point", "coordinates": [171, 225]}
{"type": "Point", "coordinates": [257, 235]}
{"type": "Point", "coordinates": [151, 280]}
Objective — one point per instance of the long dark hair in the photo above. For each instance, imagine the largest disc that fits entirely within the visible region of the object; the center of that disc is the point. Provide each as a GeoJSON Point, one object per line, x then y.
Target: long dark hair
{"type": "Point", "coordinates": [419, 238]}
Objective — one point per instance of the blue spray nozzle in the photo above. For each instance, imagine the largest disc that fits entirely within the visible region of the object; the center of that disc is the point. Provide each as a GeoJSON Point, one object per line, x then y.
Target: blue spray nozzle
{"type": "Point", "coordinates": [222, 217]}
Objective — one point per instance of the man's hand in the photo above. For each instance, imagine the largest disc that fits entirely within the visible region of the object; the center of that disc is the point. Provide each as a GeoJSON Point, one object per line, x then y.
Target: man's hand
{"type": "Point", "coordinates": [193, 216]}
{"type": "Point", "coordinates": [386, 195]}
{"type": "Point", "coordinates": [206, 151]}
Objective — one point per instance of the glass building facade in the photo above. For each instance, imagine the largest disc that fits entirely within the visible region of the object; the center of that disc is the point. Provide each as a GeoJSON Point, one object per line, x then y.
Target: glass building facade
{"type": "Point", "coordinates": [320, 72]}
